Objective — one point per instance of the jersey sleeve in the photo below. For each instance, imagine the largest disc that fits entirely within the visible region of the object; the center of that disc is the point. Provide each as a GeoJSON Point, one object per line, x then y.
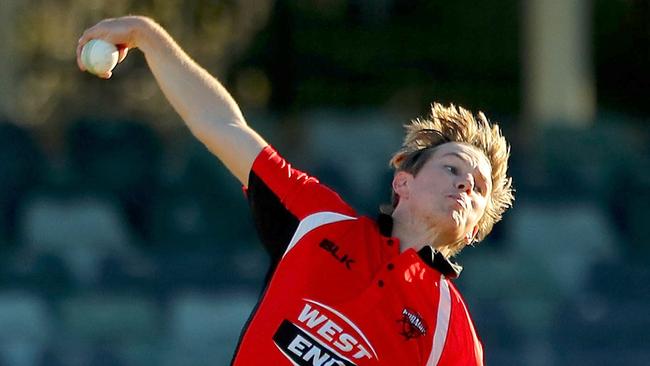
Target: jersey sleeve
{"type": "Point", "coordinates": [280, 196]}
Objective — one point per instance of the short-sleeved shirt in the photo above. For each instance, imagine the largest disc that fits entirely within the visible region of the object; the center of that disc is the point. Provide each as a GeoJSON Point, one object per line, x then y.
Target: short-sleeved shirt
{"type": "Point", "coordinates": [340, 292]}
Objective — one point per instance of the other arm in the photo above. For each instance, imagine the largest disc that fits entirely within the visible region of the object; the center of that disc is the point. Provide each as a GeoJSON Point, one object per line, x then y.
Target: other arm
{"type": "Point", "coordinates": [203, 103]}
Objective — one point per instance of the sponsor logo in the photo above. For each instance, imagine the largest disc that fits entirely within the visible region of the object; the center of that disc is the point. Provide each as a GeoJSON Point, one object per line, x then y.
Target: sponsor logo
{"type": "Point", "coordinates": [333, 249]}
{"type": "Point", "coordinates": [304, 350]}
{"type": "Point", "coordinates": [412, 324]}
{"type": "Point", "coordinates": [321, 336]}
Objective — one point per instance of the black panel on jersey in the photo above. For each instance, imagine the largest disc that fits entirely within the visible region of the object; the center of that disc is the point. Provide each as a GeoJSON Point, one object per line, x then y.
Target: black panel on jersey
{"type": "Point", "coordinates": [275, 226]}
{"type": "Point", "coordinates": [274, 223]}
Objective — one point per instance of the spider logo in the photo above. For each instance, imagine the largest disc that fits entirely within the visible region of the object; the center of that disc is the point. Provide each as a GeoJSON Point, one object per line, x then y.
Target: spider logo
{"type": "Point", "coordinates": [412, 324]}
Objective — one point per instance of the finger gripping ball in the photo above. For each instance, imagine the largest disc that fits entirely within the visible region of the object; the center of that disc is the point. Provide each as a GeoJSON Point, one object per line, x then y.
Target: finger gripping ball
{"type": "Point", "coordinates": [99, 57]}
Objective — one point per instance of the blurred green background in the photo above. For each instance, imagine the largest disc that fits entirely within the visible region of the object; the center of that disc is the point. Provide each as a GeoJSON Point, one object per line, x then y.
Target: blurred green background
{"type": "Point", "coordinates": [124, 242]}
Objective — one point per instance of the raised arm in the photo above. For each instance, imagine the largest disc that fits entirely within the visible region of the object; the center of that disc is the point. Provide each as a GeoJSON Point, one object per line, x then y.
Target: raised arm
{"type": "Point", "coordinates": [203, 103]}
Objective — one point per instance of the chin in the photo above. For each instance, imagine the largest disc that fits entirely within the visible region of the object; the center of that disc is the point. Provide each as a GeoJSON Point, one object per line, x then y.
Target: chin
{"type": "Point", "coordinates": [453, 230]}
{"type": "Point", "coordinates": [457, 219]}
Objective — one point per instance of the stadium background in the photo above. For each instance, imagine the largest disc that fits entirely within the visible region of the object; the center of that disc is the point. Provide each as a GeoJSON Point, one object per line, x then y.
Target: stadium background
{"type": "Point", "coordinates": [125, 243]}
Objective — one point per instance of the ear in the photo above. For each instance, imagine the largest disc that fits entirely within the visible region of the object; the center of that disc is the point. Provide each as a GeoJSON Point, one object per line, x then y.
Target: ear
{"type": "Point", "coordinates": [401, 183]}
{"type": "Point", "coordinates": [469, 238]}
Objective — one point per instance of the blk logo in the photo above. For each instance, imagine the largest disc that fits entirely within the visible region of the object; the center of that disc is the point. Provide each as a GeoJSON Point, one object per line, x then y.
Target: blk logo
{"type": "Point", "coordinates": [334, 250]}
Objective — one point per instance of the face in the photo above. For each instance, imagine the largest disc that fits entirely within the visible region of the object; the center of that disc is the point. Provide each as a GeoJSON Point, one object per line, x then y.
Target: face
{"type": "Point", "coordinates": [450, 192]}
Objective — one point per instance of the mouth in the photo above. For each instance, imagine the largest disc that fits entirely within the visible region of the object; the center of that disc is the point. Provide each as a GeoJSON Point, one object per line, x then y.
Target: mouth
{"type": "Point", "coordinates": [460, 202]}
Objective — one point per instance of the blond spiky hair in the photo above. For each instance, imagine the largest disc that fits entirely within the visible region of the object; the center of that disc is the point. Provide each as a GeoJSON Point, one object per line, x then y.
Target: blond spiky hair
{"type": "Point", "coordinates": [451, 124]}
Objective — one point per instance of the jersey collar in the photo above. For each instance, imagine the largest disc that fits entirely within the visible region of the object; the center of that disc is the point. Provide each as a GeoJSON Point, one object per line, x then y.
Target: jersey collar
{"type": "Point", "coordinates": [430, 256]}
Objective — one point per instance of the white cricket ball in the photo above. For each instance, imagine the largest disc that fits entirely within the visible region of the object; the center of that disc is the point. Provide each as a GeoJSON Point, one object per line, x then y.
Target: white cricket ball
{"type": "Point", "coordinates": [99, 57]}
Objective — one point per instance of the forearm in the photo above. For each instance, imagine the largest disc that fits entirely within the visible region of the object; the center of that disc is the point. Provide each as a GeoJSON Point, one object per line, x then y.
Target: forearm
{"type": "Point", "coordinates": [202, 102]}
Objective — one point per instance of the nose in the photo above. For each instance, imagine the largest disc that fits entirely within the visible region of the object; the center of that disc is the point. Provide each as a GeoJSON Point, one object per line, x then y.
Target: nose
{"type": "Point", "coordinates": [465, 183]}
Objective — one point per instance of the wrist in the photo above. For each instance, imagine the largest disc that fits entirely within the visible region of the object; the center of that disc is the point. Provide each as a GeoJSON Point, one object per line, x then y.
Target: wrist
{"type": "Point", "coordinates": [143, 32]}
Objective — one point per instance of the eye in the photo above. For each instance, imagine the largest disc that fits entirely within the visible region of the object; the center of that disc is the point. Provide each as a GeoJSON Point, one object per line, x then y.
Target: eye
{"type": "Point", "coordinates": [452, 169]}
{"type": "Point", "coordinates": [478, 189]}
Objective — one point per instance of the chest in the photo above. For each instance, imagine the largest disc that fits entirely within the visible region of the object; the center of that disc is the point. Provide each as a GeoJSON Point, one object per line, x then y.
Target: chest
{"type": "Point", "coordinates": [350, 292]}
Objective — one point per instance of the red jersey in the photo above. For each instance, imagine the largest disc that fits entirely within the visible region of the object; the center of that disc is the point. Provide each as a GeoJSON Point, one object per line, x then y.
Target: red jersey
{"type": "Point", "coordinates": [340, 291]}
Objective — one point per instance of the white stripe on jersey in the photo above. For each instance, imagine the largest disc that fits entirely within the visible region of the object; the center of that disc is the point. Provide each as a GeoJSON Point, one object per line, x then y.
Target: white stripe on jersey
{"type": "Point", "coordinates": [312, 222]}
{"type": "Point", "coordinates": [442, 323]}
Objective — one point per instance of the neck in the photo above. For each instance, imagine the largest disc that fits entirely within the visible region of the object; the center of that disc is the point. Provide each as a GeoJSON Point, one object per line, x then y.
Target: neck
{"type": "Point", "coordinates": [415, 234]}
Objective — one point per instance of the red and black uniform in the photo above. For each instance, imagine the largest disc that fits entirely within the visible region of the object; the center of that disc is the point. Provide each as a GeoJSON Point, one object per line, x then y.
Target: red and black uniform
{"type": "Point", "coordinates": [341, 293]}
